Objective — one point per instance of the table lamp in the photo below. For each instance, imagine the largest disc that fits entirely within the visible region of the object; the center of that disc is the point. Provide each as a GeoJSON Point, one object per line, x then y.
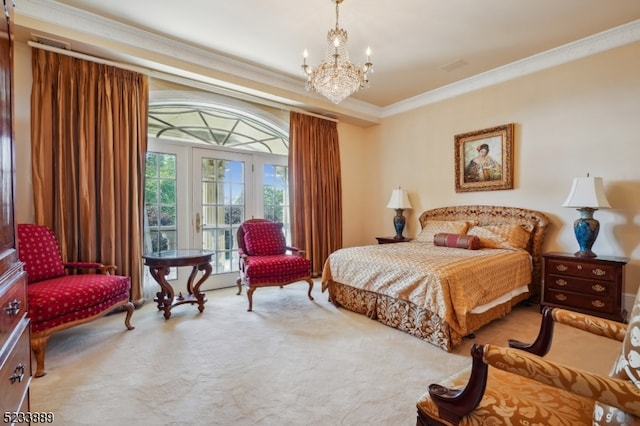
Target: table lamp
{"type": "Point", "coordinates": [399, 201]}
{"type": "Point", "coordinates": [587, 195]}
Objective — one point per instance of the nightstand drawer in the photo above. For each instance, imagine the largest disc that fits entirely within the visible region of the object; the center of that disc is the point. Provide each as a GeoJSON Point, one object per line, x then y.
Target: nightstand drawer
{"type": "Point", "coordinates": [570, 300]}
{"type": "Point", "coordinates": [579, 285]}
{"type": "Point", "coordinates": [589, 285]}
{"type": "Point", "coordinates": [582, 269]}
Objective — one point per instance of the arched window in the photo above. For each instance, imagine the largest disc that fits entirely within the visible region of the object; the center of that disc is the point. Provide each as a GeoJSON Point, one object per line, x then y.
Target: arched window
{"type": "Point", "coordinates": [217, 121]}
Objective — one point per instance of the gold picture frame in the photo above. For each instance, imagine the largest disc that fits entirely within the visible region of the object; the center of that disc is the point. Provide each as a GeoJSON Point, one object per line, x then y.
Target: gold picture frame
{"type": "Point", "coordinates": [484, 159]}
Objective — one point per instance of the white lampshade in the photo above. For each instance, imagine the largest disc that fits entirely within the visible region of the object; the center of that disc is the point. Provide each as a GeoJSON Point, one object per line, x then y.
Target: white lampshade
{"type": "Point", "coordinates": [399, 200]}
{"type": "Point", "coordinates": [587, 192]}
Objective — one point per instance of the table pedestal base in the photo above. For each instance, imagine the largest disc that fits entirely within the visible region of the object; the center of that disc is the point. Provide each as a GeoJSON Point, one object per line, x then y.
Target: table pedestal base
{"type": "Point", "coordinates": [166, 298]}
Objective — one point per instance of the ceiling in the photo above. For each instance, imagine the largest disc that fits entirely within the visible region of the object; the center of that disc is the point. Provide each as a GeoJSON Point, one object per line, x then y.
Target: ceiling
{"type": "Point", "coordinates": [418, 46]}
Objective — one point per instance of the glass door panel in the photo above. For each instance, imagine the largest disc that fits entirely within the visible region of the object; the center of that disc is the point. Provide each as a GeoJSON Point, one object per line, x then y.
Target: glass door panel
{"type": "Point", "coordinates": [223, 193]}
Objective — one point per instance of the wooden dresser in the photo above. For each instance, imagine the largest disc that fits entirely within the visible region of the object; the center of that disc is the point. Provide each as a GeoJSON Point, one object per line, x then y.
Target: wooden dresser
{"type": "Point", "coordinates": [15, 349]}
{"type": "Point", "coordinates": [588, 285]}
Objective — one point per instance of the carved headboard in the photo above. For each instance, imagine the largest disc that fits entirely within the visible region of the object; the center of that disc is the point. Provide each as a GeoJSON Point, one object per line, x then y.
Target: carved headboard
{"type": "Point", "coordinates": [488, 215]}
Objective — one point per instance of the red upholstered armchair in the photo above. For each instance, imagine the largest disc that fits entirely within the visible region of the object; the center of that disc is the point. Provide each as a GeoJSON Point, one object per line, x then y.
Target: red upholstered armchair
{"type": "Point", "coordinates": [264, 261]}
{"type": "Point", "coordinates": [57, 301]}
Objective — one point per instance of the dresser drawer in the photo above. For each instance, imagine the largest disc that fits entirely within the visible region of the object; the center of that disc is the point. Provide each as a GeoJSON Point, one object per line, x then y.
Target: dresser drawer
{"type": "Point", "coordinates": [15, 368]}
{"type": "Point", "coordinates": [577, 268]}
{"type": "Point", "coordinates": [579, 285]}
{"type": "Point", "coordinates": [13, 303]}
{"type": "Point", "coordinates": [568, 300]}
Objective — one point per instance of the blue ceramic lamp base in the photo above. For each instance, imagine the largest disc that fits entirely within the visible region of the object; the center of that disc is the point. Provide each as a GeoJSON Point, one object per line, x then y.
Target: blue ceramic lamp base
{"type": "Point", "coordinates": [398, 223]}
{"type": "Point", "coordinates": [586, 229]}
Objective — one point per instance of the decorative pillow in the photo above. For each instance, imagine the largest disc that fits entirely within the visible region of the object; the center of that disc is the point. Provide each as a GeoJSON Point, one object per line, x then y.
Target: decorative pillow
{"type": "Point", "coordinates": [433, 227]}
{"type": "Point", "coordinates": [469, 242]}
{"type": "Point", "coordinates": [264, 238]}
{"type": "Point", "coordinates": [626, 367]}
{"type": "Point", "coordinates": [501, 236]}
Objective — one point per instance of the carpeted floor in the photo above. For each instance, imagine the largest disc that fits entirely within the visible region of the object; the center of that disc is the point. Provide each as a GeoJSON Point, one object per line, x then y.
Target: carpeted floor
{"type": "Point", "coordinates": [290, 362]}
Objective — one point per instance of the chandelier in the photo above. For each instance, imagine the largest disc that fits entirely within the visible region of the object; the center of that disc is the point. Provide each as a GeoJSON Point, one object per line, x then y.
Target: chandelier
{"type": "Point", "coordinates": [336, 77]}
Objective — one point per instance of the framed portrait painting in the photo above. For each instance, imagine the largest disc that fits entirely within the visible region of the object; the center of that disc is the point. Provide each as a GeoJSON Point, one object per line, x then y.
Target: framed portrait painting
{"type": "Point", "coordinates": [484, 159]}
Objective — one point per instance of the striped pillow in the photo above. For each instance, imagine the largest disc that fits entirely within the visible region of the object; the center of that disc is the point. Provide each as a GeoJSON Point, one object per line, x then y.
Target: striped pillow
{"type": "Point", "coordinates": [469, 242]}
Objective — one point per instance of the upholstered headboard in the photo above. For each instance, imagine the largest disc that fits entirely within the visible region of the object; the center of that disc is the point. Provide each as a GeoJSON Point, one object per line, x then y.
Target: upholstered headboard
{"type": "Point", "coordinates": [488, 215]}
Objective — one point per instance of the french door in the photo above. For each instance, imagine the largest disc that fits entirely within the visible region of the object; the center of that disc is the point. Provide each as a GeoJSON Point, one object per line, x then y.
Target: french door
{"type": "Point", "coordinates": [203, 199]}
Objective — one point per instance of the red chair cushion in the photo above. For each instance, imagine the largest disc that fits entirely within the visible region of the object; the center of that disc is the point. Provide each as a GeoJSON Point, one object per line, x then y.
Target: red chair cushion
{"type": "Point", "coordinates": [264, 238]}
{"type": "Point", "coordinates": [38, 249]}
{"type": "Point", "coordinates": [74, 297]}
{"type": "Point", "coordinates": [284, 268]}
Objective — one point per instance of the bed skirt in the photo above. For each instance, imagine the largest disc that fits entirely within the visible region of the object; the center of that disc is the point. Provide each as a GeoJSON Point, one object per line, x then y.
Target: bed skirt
{"type": "Point", "coordinates": [406, 316]}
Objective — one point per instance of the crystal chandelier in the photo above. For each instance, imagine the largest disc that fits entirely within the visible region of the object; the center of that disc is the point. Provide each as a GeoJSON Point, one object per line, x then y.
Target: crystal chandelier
{"type": "Point", "coordinates": [336, 77]}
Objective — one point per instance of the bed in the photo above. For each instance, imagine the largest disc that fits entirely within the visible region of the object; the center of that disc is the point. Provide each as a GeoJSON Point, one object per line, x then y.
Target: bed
{"type": "Point", "coordinates": [487, 259]}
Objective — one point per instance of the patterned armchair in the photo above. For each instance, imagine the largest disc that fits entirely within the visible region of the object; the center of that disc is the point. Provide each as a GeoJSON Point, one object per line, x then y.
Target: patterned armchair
{"type": "Point", "coordinates": [57, 301]}
{"type": "Point", "coordinates": [264, 261]}
{"type": "Point", "coordinates": [523, 388]}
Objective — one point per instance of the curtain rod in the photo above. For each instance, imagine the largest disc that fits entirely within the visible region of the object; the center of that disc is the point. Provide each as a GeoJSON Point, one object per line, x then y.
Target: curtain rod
{"type": "Point", "coordinates": [177, 79]}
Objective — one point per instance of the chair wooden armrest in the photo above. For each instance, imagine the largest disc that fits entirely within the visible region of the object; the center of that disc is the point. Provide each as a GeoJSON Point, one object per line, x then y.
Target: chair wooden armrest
{"type": "Point", "coordinates": [92, 266]}
{"type": "Point", "coordinates": [295, 250]}
{"type": "Point", "coordinates": [454, 404]}
{"type": "Point", "coordinates": [591, 324]}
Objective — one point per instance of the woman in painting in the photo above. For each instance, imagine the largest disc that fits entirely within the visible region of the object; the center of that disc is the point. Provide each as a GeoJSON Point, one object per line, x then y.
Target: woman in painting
{"type": "Point", "coordinates": [482, 167]}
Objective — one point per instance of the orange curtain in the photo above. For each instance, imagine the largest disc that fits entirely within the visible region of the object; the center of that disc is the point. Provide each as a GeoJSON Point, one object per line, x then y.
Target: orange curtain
{"type": "Point", "coordinates": [315, 187]}
{"type": "Point", "coordinates": [88, 146]}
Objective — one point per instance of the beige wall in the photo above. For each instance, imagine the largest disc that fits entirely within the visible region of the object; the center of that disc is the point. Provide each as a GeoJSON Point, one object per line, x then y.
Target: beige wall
{"type": "Point", "coordinates": [580, 117]}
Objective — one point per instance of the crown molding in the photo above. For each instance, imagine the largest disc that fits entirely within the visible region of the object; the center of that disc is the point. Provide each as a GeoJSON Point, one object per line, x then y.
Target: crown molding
{"type": "Point", "coordinates": [582, 48]}
{"type": "Point", "coordinates": [163, 55]}
{"type": "Point", "coordinates": [167, 58]}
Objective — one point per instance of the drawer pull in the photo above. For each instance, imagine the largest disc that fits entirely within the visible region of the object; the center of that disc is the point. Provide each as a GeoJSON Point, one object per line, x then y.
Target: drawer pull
{"type": "Point", "coordinates": [561, 297]}
{"type": "Point", "coordinates": [561, 267]}
{"type": "Point", "coordinates": [18, 374]}
{"type": "Point", "coordinates": [599, 272]}
{"type": "Point", "coordinates": [597, 304]}
{"type": "Point", "coordinates": [13, 308]}
{"type": "Point", "coordinates": [561, 282]}
{"type": "Point", "coordinates": [579, 267]}
{"type": "Point", "coordinates": [598, 287]}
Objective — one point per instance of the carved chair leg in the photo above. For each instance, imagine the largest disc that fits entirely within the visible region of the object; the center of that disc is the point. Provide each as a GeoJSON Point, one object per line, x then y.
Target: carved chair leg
{"type": "Point", "coordinates": [38, 346]}
{"type": "Point", "coordinates": [127, 321]}
{"type": "Point", "coordinates": [310, 281]}
{"type": "Point", "coordinates": [250, 291]}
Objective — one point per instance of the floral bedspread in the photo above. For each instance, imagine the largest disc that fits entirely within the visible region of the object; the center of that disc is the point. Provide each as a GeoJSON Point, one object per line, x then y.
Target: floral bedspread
{"type": "Point", "coordinates": [449, 282]}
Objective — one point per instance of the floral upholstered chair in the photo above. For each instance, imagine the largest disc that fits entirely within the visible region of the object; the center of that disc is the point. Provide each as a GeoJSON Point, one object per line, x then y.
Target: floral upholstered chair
{"type": "Point", "coordinates": [516, 386]}
{"type": "Point", "coordinates": [264, 261]}
{"type": "Point", "coordinates": [57, 301]}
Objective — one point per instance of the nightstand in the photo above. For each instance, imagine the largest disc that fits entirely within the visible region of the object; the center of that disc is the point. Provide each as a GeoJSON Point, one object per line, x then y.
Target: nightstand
{"type": "Point", "coordinates": [589, 285]}
{"type": "Point", "coordinates": [392, 240]}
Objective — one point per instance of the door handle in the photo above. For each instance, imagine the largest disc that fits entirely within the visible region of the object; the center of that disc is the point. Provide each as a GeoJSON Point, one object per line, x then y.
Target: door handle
{"type": "Point", "coordinates": [198, 223]}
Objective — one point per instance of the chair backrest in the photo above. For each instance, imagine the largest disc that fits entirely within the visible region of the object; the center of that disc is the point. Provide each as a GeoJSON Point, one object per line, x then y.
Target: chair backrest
{"type": "Point", "coordinates": [39, 251]}
{"type": "Point", "coordinates": [261, 237]}
{"type": "Point", "coordinates": [626, 367]}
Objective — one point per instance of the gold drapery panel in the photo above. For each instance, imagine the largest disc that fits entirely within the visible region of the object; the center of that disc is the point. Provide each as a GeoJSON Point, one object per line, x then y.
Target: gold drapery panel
{"type": "Point", "coordinates": [88, 146]}
{"type": "Point", "coordinates": [315, 187]}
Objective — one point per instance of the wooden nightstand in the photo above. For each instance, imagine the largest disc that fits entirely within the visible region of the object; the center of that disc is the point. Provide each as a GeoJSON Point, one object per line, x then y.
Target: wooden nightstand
{"type": "Point", "coordinates": [392, 240]}
{"type": "Point", "coordinates": [589, 285]}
